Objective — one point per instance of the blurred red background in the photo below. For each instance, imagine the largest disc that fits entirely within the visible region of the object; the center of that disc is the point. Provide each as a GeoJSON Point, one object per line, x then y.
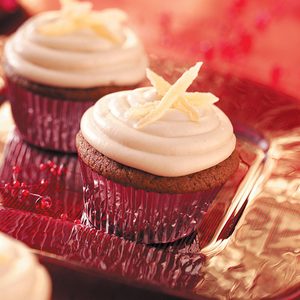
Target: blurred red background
{"type": "Point", "coordinates": [257, 39]}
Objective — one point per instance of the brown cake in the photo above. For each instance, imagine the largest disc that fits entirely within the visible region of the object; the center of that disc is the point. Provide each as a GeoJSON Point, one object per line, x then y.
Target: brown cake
{"type": "Point", "coordinates": [59, 93]}
{"type": "Point", "coordinates": [200, 181]}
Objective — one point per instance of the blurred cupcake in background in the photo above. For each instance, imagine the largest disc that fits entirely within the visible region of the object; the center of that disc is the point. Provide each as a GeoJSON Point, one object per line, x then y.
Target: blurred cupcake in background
{"type": "Point", "coordinates": [59, 63]}
{"type": "Point", "coordinates": [154, 158]}
{"type": "Point", "coordinates": [21, 275]}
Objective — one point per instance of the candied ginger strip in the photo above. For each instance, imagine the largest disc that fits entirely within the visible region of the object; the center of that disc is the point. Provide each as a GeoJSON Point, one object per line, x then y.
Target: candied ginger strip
{"type": "Point", "coordinates": [190, 109]}
{"type": "Point", "coordinates": [176, 90]}
{"type": "Point", "coordinates": [140, 111]}
{"type": "Point", "coordinates": [75, 15]}
{"type": "Point", "coordinates": [159, 83]}
{"type": "Point", "coordinates": [111, 14]}
{"type": "Point", "coordinates": [199, 99]}
{"type": "Point", "coordinates": [60, 27]}
{"type": "Point", "coordinates": [76, 10]}
{"type": "Point", "coordinates": [103, 31]}
{"type": "Point", "coordinates": [162, 86]}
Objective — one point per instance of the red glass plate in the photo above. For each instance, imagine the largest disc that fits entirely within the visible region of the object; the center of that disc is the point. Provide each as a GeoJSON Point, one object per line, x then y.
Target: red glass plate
{"type": "Point", "coordinates": [247, 245]}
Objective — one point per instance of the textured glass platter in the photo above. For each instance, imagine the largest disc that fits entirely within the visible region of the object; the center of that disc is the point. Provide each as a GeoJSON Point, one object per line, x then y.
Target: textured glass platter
{"type": "Point", "coordinates": [247, 245]}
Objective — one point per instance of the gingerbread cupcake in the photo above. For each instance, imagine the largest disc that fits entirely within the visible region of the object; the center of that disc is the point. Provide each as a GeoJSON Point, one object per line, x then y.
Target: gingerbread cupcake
{"type": "Point", "coordinates": [154, 158]}
{"type": "Point", "coordinates": [59, 63]}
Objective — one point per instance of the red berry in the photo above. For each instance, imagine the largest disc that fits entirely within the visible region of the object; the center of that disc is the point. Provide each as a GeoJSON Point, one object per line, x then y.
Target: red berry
{"type": "Point", "coordinates": [23, 185]}
{"type": "Point", "coordinates": [64, 216]}
{"type": "Point", "coordinates": [16, 184]}
{"type": "Point", "coordinates": [43, 166]}
{"type": "Point", "coordinates": [25, 193]}
{"type": "Point", "coordinates": [77, 221]}
{"type": "Point", "coordinates": [61, 170]}
{"type": "Point", "coordinates": [53, 171]}
{"type": "Point", "coordinates": [44, 182]}
{"type": "Point", "coordinates": [50, 163]}
{"type": "Point", "coordinates": [7, 186]}
{"type": "Point", "coordinates": [16, 169]}
{"type": "Point", "coordinates": [45, 203]}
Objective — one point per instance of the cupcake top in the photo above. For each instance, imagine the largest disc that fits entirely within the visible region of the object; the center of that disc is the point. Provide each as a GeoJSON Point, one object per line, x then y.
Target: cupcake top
{"type": "Point", "coordinates": [162, 130]}
{"type": "Point", "coordinates": [21, 276]}
{"type": "Point", "coordinates": [77, 47]}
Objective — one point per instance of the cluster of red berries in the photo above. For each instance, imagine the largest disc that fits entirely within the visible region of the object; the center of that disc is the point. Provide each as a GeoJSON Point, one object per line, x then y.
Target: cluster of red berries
{"type": "Point", "coordinates": [22, 191]}
{"type": "Point", "coordinates": [54, 169]}
{"type": "Point", "coordinates": [65, 217]}
{"type": "Point", "coordinates": [25, 193]}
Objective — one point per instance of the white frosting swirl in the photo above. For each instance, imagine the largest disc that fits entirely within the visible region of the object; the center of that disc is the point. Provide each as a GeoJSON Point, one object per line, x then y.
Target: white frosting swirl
{"type": "Point", "coordinates": [81, 59]}
{"type": "Point", "coordinates": [21, 276]}
{"type": "Point", "coordinates": [171, 146]}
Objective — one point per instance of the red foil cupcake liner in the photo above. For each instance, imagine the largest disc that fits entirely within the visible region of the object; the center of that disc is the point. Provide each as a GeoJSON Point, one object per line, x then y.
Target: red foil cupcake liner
{"type": "Point", "coordinates": [139, 215]}
{"type": "Point", "coordinates": [43, 121]}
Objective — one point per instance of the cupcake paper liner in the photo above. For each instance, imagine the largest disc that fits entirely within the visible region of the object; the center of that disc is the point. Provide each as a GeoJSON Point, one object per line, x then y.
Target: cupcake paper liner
{"type": "Point", "coordinates": [139, 215]}
{"type": "Point", "coordinates": [43, 121]}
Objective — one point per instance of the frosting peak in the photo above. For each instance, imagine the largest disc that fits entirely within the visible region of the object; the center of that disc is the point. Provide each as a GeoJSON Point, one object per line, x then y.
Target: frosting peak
{"type": "Point", "coordinates": [77, 48]}
{"type": "Point", "coordinates": [75, 15]}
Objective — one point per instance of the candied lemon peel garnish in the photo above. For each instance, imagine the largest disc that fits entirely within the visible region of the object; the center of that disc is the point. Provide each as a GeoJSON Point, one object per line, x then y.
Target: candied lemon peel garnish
{"type": "Point", "coordinates": [76, 15]}
{"type": "Point", "coordinates": [173, 96]}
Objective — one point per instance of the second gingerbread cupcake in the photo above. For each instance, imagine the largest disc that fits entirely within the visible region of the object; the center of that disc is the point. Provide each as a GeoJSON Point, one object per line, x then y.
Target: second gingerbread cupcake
{"type": "Point", "coordinates": [59, 63]}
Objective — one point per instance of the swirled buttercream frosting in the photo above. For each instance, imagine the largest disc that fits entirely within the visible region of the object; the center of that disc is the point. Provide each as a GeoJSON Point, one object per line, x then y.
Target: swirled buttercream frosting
{"type": "Point", "coordinates": [162, 130]}
{"type": "Point", "coordinates": [21, 276]}
{"type": "Point", "coordinates": [77, 47]}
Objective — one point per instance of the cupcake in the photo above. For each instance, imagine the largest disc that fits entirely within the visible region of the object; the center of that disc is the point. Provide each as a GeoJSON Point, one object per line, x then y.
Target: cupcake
{"type": "Point", "coordinates": [153, 159]}
{"type": "Point", "coordinates": [59, 63]}
{"type": "Point", "coordinates": [21, 275]}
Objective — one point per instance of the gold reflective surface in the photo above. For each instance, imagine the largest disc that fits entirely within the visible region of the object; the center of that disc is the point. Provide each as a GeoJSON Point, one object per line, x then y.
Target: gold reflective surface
{"type": "Point", "coordinates": [262, 257]}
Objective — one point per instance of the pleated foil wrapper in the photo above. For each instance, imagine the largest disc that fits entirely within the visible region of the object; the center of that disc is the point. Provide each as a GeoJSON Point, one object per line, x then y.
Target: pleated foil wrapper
{"type": "Point", "coordinates": [139, 215]}
{"type": "Point", "coordinates": [43, 121]}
